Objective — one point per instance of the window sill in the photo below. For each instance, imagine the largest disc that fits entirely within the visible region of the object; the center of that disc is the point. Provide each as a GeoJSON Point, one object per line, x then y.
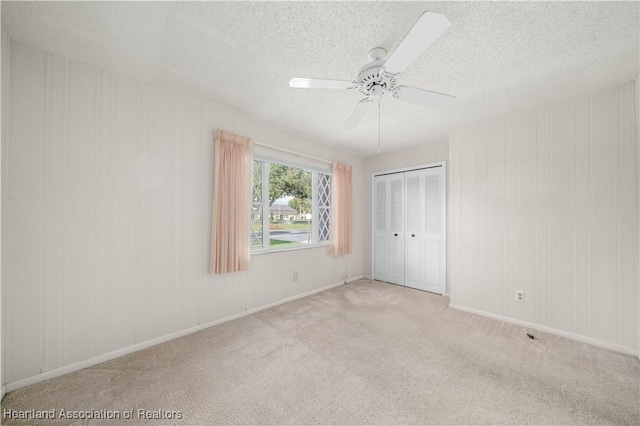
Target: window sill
{"type": "Point", "coordinates": [280, 250]}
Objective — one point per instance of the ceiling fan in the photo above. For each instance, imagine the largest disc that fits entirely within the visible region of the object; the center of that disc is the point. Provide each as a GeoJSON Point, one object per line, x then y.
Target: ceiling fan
{"type": "Point", "coordinates": [378, 77]}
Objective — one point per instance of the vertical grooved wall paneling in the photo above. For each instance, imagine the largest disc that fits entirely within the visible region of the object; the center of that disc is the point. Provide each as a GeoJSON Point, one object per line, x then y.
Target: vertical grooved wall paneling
{"type": "Point", "coordinates": [4, 96]}
{"type": "Point", "coordinates": [106, 215]}
{"type": "Point", "coordinates": [559, 215]}
{"type": "Point", "coordinates": [637, 173]}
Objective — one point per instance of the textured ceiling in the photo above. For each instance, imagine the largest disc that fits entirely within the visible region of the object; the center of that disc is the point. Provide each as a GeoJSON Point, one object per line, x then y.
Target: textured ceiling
{"type": "Point", "coordinates": [495, 57]}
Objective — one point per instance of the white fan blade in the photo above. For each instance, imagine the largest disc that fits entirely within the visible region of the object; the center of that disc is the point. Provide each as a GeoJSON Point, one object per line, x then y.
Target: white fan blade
{"type": "Point", "coordinates": [423, 97]}
{"type": "Point", "coordinates": [357, 113]}
{"type": "Point", "coordinates": [428, 29]}
{"type": "Point", "coordinates": [315, 83]}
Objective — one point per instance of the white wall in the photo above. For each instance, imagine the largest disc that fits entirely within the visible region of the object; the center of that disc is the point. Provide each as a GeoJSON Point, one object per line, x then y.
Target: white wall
{"type": "Point", "coordinates": [545, 200]}
{"type": "Point", "coordinates": [106, 215]}
{"type": "Point", "coordinates": [426, 153]}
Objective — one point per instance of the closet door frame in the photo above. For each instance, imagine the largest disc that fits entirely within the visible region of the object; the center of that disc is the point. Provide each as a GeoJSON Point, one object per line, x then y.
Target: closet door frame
{"type": "Point", "coordinates": [443, 164]}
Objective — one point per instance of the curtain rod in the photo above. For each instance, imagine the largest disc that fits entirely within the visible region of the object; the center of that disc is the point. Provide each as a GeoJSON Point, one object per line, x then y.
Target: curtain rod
{"type": "Point", "coordinates": [292, 152]}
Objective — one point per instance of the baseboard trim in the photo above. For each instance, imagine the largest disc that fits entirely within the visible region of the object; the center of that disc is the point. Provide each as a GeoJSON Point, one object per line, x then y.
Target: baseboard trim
{"type": "Point", "coordinates": [51, 374]}
{"type": "Point", "coordinates": [550, 330]}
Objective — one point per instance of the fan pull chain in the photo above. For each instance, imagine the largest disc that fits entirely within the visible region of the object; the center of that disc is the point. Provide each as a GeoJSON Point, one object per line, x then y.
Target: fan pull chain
{"type": "Point", "coordinates": [378, 125]}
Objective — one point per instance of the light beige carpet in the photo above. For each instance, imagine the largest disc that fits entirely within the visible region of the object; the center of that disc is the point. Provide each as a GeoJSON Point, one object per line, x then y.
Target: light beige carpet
{"type": "Point", "coordinates": [349, 357]}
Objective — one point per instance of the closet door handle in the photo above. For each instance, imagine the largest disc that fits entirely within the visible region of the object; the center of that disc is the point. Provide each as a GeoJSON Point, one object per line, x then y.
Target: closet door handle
{"type": "Point", "coordinates": [413, 235]}
{"type": "Point", "coordinates": [395, 235]}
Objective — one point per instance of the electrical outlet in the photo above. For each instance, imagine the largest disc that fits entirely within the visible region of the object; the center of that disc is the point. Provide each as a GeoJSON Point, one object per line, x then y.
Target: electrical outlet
{"type": "Point", "coordinates": [295, 276]}
{"type": "Point", "coordinates": [520, 296]}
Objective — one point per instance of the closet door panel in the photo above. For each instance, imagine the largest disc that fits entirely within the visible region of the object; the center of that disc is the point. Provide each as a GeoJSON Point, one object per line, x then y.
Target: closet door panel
{"type": "Point", "coordinates": [396, 228]}
{"type": "Point", "coordinates": [388, 223]}
{"type": "Point", "coordinates": [380, 221]}
{"type": "Point", "coordinates": [414, 234]}
{"type": "Point", "coordinates": [413, 264]}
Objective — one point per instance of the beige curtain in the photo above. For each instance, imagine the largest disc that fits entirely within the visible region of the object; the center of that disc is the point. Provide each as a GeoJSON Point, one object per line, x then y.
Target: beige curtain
{"type": "Point", "coordinates": [230, 232]}
{"type": "Point", "coordinates": [341, 210]}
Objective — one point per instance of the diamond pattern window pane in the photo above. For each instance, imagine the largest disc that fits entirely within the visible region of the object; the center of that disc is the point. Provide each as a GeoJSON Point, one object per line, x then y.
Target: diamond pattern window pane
{"type": "Point", "coordinates": [324, 190]}
{"type": "Point", "coordinates": [257, 181]}
{"type": "Point", "coordinates": [256, 226]}
{"type": "Point", "coordinates": [257, 207]}
{"type": "Point", "coordinates": [324, 216]}
{"type": "Point", "coordinates": [324, 207]}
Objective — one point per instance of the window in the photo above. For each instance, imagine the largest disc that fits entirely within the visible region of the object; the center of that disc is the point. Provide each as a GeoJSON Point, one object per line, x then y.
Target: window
{"type": "Point", "coordinates": [291, 206]}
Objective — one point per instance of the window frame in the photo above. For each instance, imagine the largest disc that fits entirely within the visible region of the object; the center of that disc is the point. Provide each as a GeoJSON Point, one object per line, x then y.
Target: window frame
{"type": "Point", "coordinates": [266, 209]}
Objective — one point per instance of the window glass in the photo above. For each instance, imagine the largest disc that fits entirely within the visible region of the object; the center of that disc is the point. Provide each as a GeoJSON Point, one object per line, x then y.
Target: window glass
{"type": "Point", "coordinates": [290, 206]}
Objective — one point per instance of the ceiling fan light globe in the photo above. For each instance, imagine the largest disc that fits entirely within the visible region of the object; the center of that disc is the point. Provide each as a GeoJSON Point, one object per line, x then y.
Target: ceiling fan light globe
{"type": "Point", "coordinates": [376, 91]}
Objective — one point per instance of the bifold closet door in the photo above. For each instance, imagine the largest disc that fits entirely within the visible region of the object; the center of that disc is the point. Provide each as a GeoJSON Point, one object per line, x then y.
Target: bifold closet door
{"type": "Point", "coordinates": [410, 229]}
{"type": "Point", "coordinates": [389, 228]}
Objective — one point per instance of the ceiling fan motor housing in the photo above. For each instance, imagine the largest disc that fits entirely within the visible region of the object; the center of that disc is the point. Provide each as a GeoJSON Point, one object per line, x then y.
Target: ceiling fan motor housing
{"type": "Point", "coordinates": [373, 81]}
